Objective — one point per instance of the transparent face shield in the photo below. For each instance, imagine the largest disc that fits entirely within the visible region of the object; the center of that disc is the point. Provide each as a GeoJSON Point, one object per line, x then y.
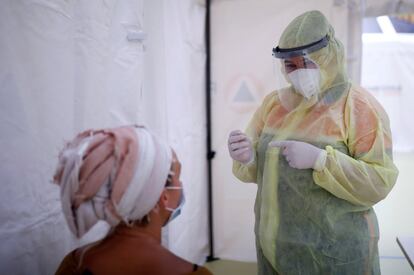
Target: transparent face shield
{"type": "Point", "coordinates": [297, 75]}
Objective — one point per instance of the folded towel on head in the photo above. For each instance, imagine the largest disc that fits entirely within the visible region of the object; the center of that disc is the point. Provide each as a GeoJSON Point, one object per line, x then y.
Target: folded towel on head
{"type": "Point", "coordinates": [114, 175]}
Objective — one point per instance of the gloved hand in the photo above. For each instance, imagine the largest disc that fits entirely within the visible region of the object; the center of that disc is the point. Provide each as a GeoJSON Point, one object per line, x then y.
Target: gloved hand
{"type": "Point", "coordinates": [240, 147]}
{"type": "Point", "coordinates": [301, 155]}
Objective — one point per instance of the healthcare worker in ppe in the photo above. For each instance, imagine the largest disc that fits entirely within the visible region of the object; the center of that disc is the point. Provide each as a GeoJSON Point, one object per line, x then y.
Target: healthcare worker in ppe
{"type": "Point", "coordinates": [320, 151]}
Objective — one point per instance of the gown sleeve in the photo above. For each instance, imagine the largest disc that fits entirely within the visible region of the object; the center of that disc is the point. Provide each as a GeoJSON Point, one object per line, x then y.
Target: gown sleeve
{"type": "Point", "coordinates": [367, 174]}
{"type": "Point", "coordinates": [247, 173]}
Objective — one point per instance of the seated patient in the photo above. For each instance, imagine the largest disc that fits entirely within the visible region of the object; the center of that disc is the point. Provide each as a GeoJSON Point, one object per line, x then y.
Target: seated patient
{"type": "Point", "coordinates": [130, 179]}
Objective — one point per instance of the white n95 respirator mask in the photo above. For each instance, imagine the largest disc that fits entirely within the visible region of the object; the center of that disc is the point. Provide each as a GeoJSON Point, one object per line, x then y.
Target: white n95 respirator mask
{"type": "Point", "coordinates": [305, 81]}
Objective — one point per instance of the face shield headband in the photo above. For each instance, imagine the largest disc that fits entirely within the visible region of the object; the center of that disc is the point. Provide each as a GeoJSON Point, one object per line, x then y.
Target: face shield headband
{"type": "Point", "coordinates": [300, 51]}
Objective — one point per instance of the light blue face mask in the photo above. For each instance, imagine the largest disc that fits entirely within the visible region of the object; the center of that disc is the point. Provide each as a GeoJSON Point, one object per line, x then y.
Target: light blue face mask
{"type": "Point", "coordinates": [176, 211]}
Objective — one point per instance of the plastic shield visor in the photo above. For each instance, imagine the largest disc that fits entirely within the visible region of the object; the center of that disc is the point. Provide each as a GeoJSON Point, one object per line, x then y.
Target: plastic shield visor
{"type": "Point", "coordinates": [300, 51]}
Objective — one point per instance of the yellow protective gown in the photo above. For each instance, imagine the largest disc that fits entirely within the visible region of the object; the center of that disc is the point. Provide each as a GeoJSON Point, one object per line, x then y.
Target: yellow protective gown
{"type": "Point", "coordinates": [320, 222]}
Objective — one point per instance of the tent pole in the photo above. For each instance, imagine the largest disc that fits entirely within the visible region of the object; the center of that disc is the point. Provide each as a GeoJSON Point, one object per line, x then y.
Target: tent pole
{"type": "Point", "coordinates": [210, 152]}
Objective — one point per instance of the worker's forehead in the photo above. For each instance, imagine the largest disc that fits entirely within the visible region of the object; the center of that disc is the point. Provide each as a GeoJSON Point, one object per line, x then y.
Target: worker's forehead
{"type": "Point", "coordinates": [296, 59]}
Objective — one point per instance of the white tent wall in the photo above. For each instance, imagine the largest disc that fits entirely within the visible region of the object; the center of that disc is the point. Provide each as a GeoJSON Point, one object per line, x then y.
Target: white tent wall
{"type": "Point", "coordinates": [243, 34]}
{"type": "Point", "coordinates": [183, 24]}
{"type": "Point", "coordinates": [351, 26]}
{"type": "Point", "coordinates": [67, 66]}
{"type": "Point", "coordinates": [393, 88]}
{"type": "Point", "coordinates": [173, 101]}
{"type": "Point", "coordinates": [384, 7]}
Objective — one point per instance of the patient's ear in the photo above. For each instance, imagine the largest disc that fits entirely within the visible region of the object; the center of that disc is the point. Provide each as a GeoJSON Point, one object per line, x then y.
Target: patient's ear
{"type": "Point", "coordinates": [163, 200]}
{"type": "Point", "coordinates": [160, 207]}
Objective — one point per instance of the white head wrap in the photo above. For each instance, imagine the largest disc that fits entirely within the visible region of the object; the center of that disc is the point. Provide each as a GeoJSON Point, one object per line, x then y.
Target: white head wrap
{"type": "Point", "coordinates": [112, 174]}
